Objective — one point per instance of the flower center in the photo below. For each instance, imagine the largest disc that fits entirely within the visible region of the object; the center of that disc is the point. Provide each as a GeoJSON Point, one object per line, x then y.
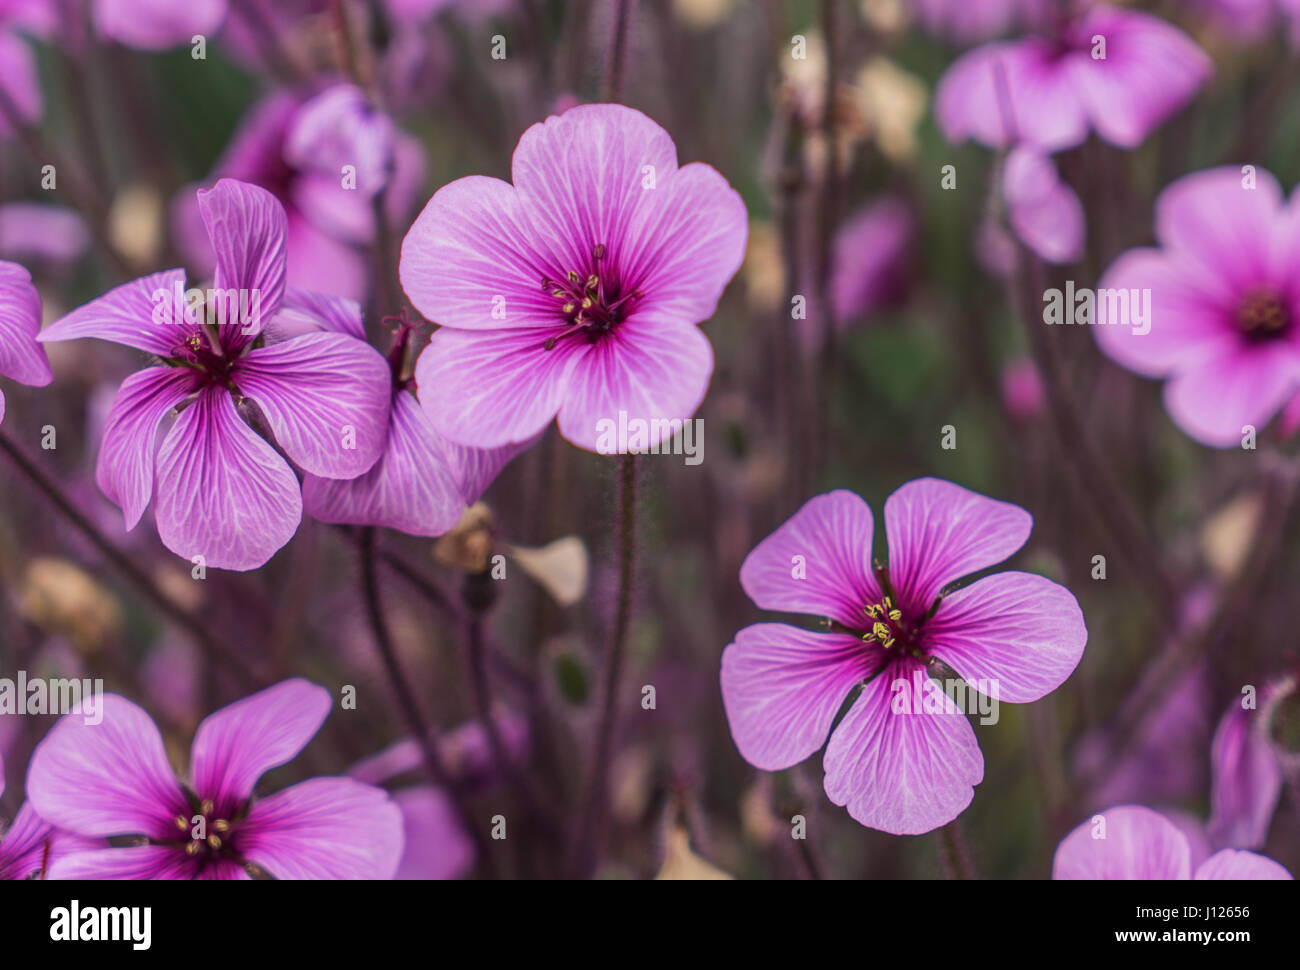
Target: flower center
{"type": "Point", "coordinates": [1262, 315]}
{"type": "Point", "coordinates": [591, 304]}
{"type": "Point", "coordinates": [206, 838]}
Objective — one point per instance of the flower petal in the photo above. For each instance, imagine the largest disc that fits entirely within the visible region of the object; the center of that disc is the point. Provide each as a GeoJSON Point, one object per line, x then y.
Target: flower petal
{"type": "Point", "coordinates": [492, 389]}
{"type": "Point", "coordinates": [1125, 842]}
{"type": "Point", "coordinates": [436, 845]}
{"type": "Point", "coordinates": [25, 846]}
{"type": "Point", "coordinates": [236, 745]}
{"type": "Point", "coordinates": [1233, 864]}
{"type": "Point", "coordinates": [133, 862]}
{"type": "Point", "coordinates": [20, 79]}
{"type": "Point", "coordinates": [1016, 636]}
{"type": "Point", "coordinates": [1246, 781]}
{"type": "Point", "coordinates": [472, 259]}
{"type": "Point", "coordinates": [248, 229]}
{"type": "Point", "coordinates": [107, 778]}
{"type": "Point", "coordinates": [901, 771]}
{"type": "Point", "coordinates": [326, 397]}
{"type": "Point", "coordinates": [124, 470]}
{"type": "Point", "coordinates": [325, 828]}
{"type": "Point", "coordinates": [940, 532]}
{"type": "Point", "coordinates": [650, 370]}
{"type": "Point", "coordinates": [303, 311]}
{"type": "Point", "coordinates": [782, 687]}
{"type": "Point", "coordinates": [410, 488]}
{"type": "Point", "coordinates": [1214, 400]}
{"type": "Point", "coordinates": [818, 562]}
{"type": "Point", "coordinates": [223, 493]}
{"type": "Point", "coordinates": [139, 314]}
{"type": "Point", "coordinates": [22, 359]}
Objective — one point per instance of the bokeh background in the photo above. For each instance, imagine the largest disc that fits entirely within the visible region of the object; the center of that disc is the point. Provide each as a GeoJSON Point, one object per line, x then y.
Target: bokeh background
{"type": "Point", "coordinates": [915, 321]}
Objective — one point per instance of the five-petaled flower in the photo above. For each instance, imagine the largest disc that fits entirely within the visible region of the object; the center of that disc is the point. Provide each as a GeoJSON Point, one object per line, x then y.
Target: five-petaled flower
{"type": "Point", "coordinates": [578, 289]}
{"type": "Point", "coordinates": [112, 780]}
{"type": "Point", "coordinates": [896, 767]}
{"type": "Point", "coordinates": [224, 493]}
{"type": "Point", "coordinates": [1225, 303]}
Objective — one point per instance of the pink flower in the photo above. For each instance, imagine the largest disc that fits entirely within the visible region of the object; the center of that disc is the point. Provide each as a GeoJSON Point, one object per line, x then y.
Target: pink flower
{"type": "Point", "coordinates": [326, 222]}
{"type": "Point", "coordinates": [21, 358]}
{"type": "Point", "coordinates": [223, 492]}
{"type": "Point", "coordinates": [870, 258]}
{"type": "Point", "coordinates": [157, 25]}
{"type": "Point", "coordinates": [1246, 780]}
{"type": "Point", "coordinates": [112, 779]}
{"type": "Point", "coordinates": [575, 291]}
{"type": "Point", "coordinates": [1044, 212]}
{"type": "Point", "coordinates": [899, 768]}
{"type": "Point", "coordinates": [972, 21]}
{"type": "Point", "coordinates": [1132, 842]}
{"type": "Point", "coordinates": [1051, 90]}
{"type": "Point", "coordinates": [1023, 395]}
{"type": "Point", "coordinates": [1224, 303]}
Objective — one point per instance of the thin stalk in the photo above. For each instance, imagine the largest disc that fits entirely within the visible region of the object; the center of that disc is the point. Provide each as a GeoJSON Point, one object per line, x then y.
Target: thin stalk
{"type": "Point", "coordinates": [217, 652]}
{"type": "Point", "coordinates": [589, 834]}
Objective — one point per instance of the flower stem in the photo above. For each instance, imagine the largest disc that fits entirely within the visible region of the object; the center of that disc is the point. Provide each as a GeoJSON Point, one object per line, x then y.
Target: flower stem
{"type": "Point", "coordinates": [422, 732]}
{"type": "Point", "coordinates": [954, 854]}
{"type": "Point", "coordinates": [589, 835]}
{"type": "Point", "coordinates": [214, 649]}
{"type": "Point", "coordinates": [617, 54]}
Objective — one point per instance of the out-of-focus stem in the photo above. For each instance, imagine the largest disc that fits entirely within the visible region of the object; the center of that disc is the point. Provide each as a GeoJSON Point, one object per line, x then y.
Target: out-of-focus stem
{"type": "Point", "coordinates": [954, 854]}
{"type": "Point", "coordinates": [617, 53]}
{"type": "Point", "coordinates": [415, 723]}
{"type": "Point", "coordinates": [589, 834]}
{"type": "Point", "coordinates": [217, 652]}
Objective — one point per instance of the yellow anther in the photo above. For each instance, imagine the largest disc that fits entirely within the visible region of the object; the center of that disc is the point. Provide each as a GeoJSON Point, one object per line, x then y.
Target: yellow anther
{"type": "Point", "coordinates": [221, 825]}
{"type": "Point", "coordinates": [181, 823]}
{"type": "Point", "coordinates": [872, 611]}
{"type": "Point", "coordinates": [592, 282]}
{"type": "Point", "coordinates": [214, 841]}
{"type": "Point", "coordinates": [895, 615]}
{"type": "Point", "coordinates": [192, 848]}
{"type": "Point", "coordinates": [569, 307]}
{"type": "Point", "coordinates": [206, 807]}
{"type": "Point", "coordinates": [573, 277]}
{"type": "Point", "coordinates": [882, 632]}
{"type": "Point", "coordinates": [587, 302]}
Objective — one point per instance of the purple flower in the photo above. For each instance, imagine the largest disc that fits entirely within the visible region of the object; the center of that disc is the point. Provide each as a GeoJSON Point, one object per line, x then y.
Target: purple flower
{"type": "Point", "coordinates": [1023, 395]}
{"type": "Point", "coordinates": [157, 25]}
{"type": "Point", "coordinates": [19, 79]}
{"type": "Point", "coordinates": [870, 258]}
{"type": "Point", "coordinates": [223, 492]}
{"type": "Point", "coordinates": [42, 232]}
{"type": "Point", "coordinates": [1132, 842]}
{"type": "Point", "coordinates": [1246, 780]}
{"type": "Point", "coordinates": [1051, 90]}
{"type": "Point", "coordinates": [326, 222]}
{"type": "Point", "coordinates": [972, 21]}
{"type": "Point", "coordinates": [422, 482]}
{"type": "Point", "coordinates": [1224, 326]}
{"type": "Point", "coordinates": [575, 291]}
{"type": "Point", "coordinates": [1044, 211]}
{"type": "Point", "coordinates": [338, 128]}
{"type": "Point", "coordinates": [21, 358]}
{"type": "Point", "coordinates": [898, 766]}
{"type": "Point", "coordinates": [112, 779]}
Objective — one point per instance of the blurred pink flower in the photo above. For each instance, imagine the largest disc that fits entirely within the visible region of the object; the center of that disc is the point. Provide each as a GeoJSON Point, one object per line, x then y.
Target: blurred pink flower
{"type": "Point", "coordinates": [1014, 636]}
{"type": "Point", "coordinates": [1044, 211]}
{"type": "Point", "coordinates": [870, 260]}
{"type": "Point", "coordinates": [1051, 90]}
{"type": "Point", "coordinates": [1246, 779]}
{"type": "Point", "coordinates": [1224, 328]}
{"type": "Point", "coordinates": [1137, 843]}
{"type": "Point", "coordinates": [157, 25]}
{"type": "Point", "coordinates": [25, 844]}
{"type": "Point", "coordinates": [1022, 390]}
{"type": "Point", "coordinates": [40, 231]}
{"type": "Point", "coordinates": [973, 21]}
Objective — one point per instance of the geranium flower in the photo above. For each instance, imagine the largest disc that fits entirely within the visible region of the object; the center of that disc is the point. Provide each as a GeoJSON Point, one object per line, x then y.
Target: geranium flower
{"type": "Point", "coordinates": [1224, 301]}
{"type": "Point", "coordinates": [1016, 636]}
{"type": "Point", "coordinates": [223, 493]}
{"type": "Point", "coordinates": [575, 291]}
{"type": "Point", "coordinates": [1044, 212]}
{"type": "Point", "coordinates": [972, 21]}
{"type": "Point", "coordinates": [1133, 842]}
{"type": "Point", "coordinates": [157, 25]}
{"type": "Point", "coordinates": [1051, 90]}
{"type": "Point", "coordinates": [112, 779]}
{"type": "Point", "coordinates": [21, 358]}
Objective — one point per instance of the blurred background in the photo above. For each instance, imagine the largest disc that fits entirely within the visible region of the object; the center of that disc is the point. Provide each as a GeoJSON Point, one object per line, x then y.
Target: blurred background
{"type": "Point", "coordinates": [876, 309]}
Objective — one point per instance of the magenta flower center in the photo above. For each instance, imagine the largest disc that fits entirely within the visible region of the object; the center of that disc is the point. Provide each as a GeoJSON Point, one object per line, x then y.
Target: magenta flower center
{"type": "Point", "coordinates": [590, 304]}
{"type": "Point", "coordinates": [214, 841]}
{"type": "Point", "coordinates": [1262, 315]}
